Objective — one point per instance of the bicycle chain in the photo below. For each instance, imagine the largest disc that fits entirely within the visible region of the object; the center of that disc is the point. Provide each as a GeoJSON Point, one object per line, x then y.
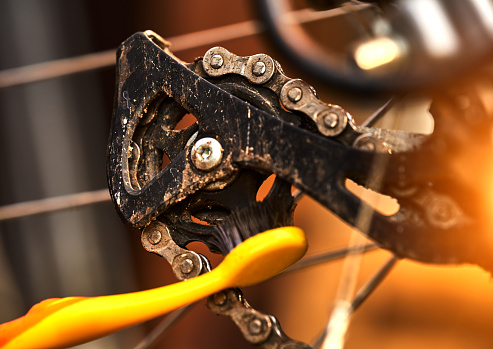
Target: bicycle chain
{"type": "Point", "coordinates": [257, 328]}
{"type": "Point", "coordinates": [428, 209]}
{"type": "Point", "coordinates": [296, 95]}
{"type": "Point", "coordinates": [441, 211]}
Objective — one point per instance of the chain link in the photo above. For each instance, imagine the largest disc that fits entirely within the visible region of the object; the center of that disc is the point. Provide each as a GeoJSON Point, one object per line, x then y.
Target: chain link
{"type": "Point", "coordinates": [156, 239]}
{"type": "Point", "coordinates": [257, 328]}
{"type": "Point", "coordinates": [294, 94]}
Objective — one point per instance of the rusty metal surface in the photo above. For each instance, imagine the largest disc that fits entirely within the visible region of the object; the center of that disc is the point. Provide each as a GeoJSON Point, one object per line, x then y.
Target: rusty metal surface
{"type": "Point", "coordinates": [253, 121]}
{"type": "Point", "coordinates": [256, 327]}
{"type": "Point", "coordinates": [295, 151]}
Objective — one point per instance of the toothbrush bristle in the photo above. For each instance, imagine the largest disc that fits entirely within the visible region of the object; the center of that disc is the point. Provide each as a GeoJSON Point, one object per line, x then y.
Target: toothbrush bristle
{"type": "Point", "coordinates": [254, 219]}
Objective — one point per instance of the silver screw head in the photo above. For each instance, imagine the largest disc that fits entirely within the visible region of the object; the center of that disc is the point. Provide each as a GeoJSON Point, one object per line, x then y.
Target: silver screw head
{"type": "Point", "coordinates": [258, 68]}
{"type": "Point", "coordinates": [217, 61]}
{"type": "Point", "coordinates": [207, 153]}
{"type": "Point", "coordinates": [331, 119]}
{"type": "Point", "coordinates": [155, 237]}
{"type": "Point", "coordinates": [186, 266]}
{"type": "Point", "coordinates": [295, 94]}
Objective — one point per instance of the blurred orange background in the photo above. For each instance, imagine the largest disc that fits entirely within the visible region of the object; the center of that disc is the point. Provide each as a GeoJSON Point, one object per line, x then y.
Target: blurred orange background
{"type": "Point", "coordinates": [417, 306]}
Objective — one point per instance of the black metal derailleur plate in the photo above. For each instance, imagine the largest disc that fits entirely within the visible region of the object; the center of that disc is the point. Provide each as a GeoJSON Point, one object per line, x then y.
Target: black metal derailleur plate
{"type": "Point", "coordinates": [253, 139]}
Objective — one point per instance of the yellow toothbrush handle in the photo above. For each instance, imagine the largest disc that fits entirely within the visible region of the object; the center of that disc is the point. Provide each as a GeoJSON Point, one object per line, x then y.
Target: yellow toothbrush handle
{"type": "Point", "coordinates": [64, 322]}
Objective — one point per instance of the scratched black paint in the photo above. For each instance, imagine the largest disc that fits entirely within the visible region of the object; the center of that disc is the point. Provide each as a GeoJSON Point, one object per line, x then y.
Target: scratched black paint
{"type": "Point", "coordinates": [263, 143]}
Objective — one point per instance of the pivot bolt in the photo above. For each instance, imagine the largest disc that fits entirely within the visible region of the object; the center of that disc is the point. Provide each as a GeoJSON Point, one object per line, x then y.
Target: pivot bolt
{"type": "Point", "coordinates": [219, 298]}
{"type": "Point", "coordinates": [330, 119]}
{"type": "Point", "coordinates": [207, 154]}
{"type": "Point", "coordinates": [368, 142]}
{"type": "Point", "coordinates": [255, 326]}
{"type": "Point", "coordinates": [186, 266]}
{"type": "Point", "coordinates": [295, 94]}
{"type": "Point", "coordinates": [217, 61]}
{"type": "Point", "coordinates": [258, 68]}
{"type": "Point", "coordinates": [367, 145]}
{"type": "Point", "coordinates": [155, 237]}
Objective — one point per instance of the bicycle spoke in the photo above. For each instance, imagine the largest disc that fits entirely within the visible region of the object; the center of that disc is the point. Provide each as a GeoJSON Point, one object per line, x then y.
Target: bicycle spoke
{"type": "Point", "coordinates": [349, 9]}
{"type": "Point", "coordinates": [379, 113]}
{"type": "Point", "coordinates": [373, 283]}
{"type": "Point", "coordinates": [67, 66]}
{"type": "Point", "coordinates": [335, 332]}
{"type": "Point", "coordinates": [166, 324]}
{"type": "Point", "coordinates": [30, 208]}
{"type": "Point", "coordinates": [346, 309]}
{"type": "Point", "coordinates": [350, 296]}
{"type": "Point", "coordinates": [56, 68]}
{"type": "Point", "coordinates": [339, 320]}
{"type": "Point", "coordinates": [329, 256]}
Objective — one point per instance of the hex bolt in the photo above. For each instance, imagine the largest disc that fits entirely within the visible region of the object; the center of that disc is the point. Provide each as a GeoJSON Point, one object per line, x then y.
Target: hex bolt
{"type": "Point", "coordinates": [217, 61]}
{"type": "Point", "coordinates": [258, 68]}
{"type": "Point", "coordinates": [295, 94]}
{"type": "Point", "coordinates": [330, 119]}
{"type": "Point", "coordinates": [155, 237]}
{"type": "Point", "coordinates": [255, 326]}
{"type": "Point", "coordinates": [207, 154]}
{"type": "Point", "coordinates": [186, 266]}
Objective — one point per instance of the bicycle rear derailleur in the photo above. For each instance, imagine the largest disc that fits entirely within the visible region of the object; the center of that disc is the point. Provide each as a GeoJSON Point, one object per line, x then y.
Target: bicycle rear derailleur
{"type": "Point", "coordinates": [251, 121]}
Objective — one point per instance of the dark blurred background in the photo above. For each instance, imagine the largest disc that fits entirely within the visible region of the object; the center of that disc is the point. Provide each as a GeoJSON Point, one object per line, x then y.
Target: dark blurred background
{"type": "Point", "coordinates": [53, 138]}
